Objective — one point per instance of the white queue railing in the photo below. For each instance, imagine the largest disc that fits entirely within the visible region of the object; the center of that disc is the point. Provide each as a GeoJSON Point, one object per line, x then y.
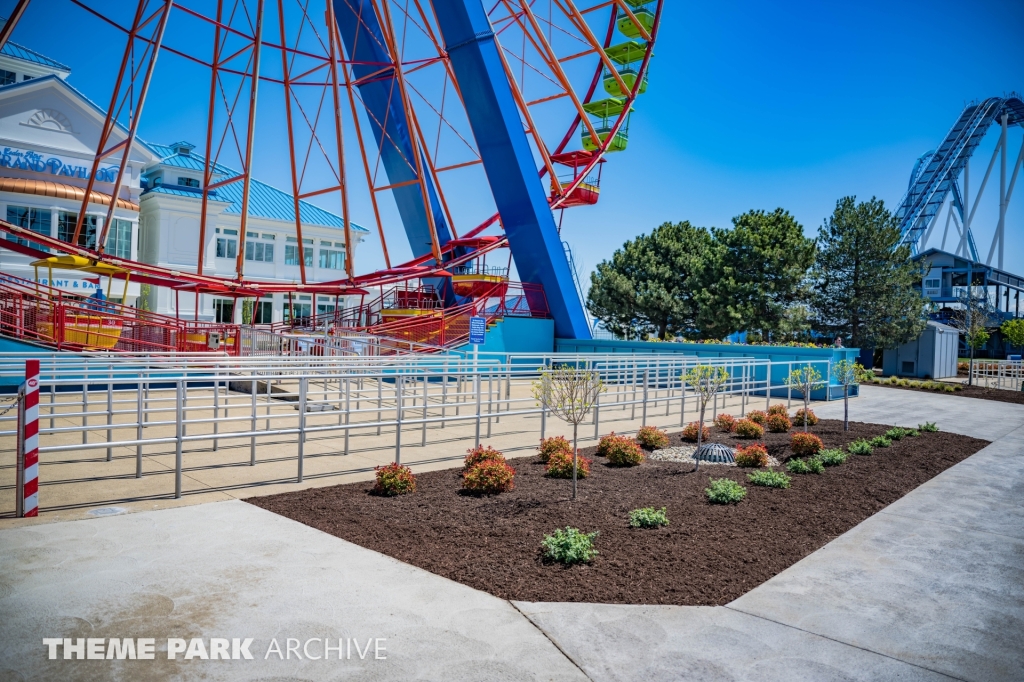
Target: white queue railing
{"type": "Point", "coordinates": [195, 403]}
{"type": "Point", "coordinates": [1004, 374]}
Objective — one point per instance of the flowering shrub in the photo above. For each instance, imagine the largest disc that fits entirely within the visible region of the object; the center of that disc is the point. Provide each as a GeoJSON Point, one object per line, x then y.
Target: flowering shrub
{"type": "Point", "coordinates": [798, 418]}
{"type": "Point", "coordinates": [608, 442]}
{"type": "Point", "coordinates": [652, 438]}
{"type": "Point", "coordinates": [622, 451]}
{"type": "Point", "coordinates": [690, 432]}
{"type": "Point", "coordinates": [725, 422]}
{"type": "Point", "coordinates": [754, 455]}
{"type": "Point", "coordinates": [724, 491]}
{"type": "Point", "coordinates": [748, 429]}
{"type": "Point", "coordinates": [555, 444]}
{"type": "Point", "coordinates": [805, 444]}
{"type": "Point", "coordinates": [394, 479]}
{"type": "Point", "coordinates": [560, 465]}
{"type": "Point", "coordinates": [778, 408]}
{"type": "Point", "coordinates": [482, 453]}
{"type": "Point", "coordinates": [489, 477]}
{"type": "Point", "coordinates": [757, 416]}
{"type": "Point", "coordinates": [778, 423]}
{"type": "Point", "coordinates": [569, 546]}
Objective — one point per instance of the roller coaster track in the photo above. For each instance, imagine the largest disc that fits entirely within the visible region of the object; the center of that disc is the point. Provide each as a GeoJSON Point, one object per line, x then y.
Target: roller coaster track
{"type": "Point", "coordinates": [935, 175]}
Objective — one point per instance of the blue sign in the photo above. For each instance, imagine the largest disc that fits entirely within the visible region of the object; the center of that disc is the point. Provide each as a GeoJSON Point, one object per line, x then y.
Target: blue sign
{"type": "Point", "coordinates": [477, 330]}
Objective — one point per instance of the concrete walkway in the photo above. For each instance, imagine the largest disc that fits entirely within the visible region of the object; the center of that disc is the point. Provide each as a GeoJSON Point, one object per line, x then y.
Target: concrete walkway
{"type": "Point", "coordinates": [930, 588]}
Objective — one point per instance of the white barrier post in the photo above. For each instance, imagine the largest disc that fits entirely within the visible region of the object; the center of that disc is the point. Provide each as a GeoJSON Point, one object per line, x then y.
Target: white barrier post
{"type": "Point", "coordinates": [28, 442]}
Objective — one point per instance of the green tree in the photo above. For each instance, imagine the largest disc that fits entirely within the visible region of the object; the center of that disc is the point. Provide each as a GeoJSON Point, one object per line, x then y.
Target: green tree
{"type": "Point", "coordinates": [806, 380]}
{"type": "Point", "coordinates": [864, 280]}
{"type": "Point", "coordinates": [706, 381]}
{"type": "Point", "coordinates": [1013, 332]}
{"type": "Point", "coordinates": [650, 285]}
{"type": "Point", "coordinates": [972, 319]}
{"type": "Point", "coordinates": [756, 275]}
{"type": "Point", "coordinates": [846, 374]}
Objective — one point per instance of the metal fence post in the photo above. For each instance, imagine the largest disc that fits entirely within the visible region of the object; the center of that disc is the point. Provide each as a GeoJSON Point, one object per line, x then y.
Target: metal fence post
{"type": "Point", "coordinates": [644, 418]}
{"type": "Point", "coordinates": [252, 425]}
{"type": "Point", "coordinates": [398, 419]}
{"type": "Point", "coordinates": [303, 381]}
{"type": "Point", "coordinates": [179, 431]}
{"type": "Point", "coordinates": [139, 410]}
{"type": "Point", "coordinates": [348, 411]}
{"type": "Point", "coordinates": [216, 410]}
{"type": "Point", "coordinates": [426, 400]}
{"type": "Point", "coordinates": [110, 411]}
{"type": "Point", "coordinates": [476, 386]}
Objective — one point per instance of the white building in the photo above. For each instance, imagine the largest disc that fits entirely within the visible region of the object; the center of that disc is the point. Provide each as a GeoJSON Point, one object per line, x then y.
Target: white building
{"type": "Point", "coordinates": [48, 137]}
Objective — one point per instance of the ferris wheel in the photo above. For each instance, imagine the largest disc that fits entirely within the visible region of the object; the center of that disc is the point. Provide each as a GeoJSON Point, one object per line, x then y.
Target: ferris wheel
{"type": "Point", "coordinates": [462, 127]}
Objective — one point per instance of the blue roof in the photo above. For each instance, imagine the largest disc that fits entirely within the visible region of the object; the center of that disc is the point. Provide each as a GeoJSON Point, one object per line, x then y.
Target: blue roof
{"type": "Point", "coordinates": [21, 52]}
{"type": "Point", "coordinates": [264, 201]}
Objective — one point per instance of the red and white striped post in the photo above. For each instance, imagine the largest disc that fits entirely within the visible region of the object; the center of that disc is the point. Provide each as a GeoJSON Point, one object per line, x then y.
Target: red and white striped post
{"type": "Point", "coordinates": [28, 442]}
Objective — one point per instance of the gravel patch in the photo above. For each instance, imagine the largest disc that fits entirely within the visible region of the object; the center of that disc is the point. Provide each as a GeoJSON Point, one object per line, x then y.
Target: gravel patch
{"type": "Point", "coordinates": [684, 454]}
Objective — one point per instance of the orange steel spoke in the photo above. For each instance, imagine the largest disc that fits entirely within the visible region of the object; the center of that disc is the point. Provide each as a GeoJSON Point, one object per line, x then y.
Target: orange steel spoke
{"type": "Point", "coordinates": [459, 165]}
{"type": "Point", "coordinates": [286, 70]}
{"type": "Point", "coordinates": [632, 17]}
{"type": "Point", "coordinates": [207, 169]}
{"type": "Point", "coordinates": [250, 139]}
{"type": "Point", "coordinates": [12, 21]}
{"type": "Point", "coordinates": [546, 99]}
{"type": "Point", "coordinates": [574, 15]}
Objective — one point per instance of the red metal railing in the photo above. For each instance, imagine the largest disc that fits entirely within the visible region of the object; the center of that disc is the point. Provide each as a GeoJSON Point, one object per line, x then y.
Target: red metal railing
{"type": "Point", "coordinates": [39, 313]}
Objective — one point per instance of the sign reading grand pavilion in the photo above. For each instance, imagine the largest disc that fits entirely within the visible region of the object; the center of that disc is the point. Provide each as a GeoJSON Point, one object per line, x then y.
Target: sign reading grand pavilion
{"type": "Point", "coordinates": [33, 161]}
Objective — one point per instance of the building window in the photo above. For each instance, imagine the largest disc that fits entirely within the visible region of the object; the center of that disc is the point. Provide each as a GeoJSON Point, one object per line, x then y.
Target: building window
{"type": "Point", "coordinates": [260, 248]}
{"type": "Point", "coordinates": [66, 229]}
{"type": "Point", "coordinates": [7, 77]}
{"type": "Point", "coordinates": [932, 283]}
{"type": "Point", "coordinates": [324, 304]}
{"type": "Point", "coordinates": [301, 306]}
{"type": "Point", "coordinates": [227, 243]}
{"type": "Point", "coordinates": [332, 258]}
{"type": "Point", "coordinates": [224, 310]}
{"type": "Point", "coordinates": [26, 77]}
{"type": "Point", "coordinates": [37, 220]}
{"type": "Point", "coordinates": [291, 251]}
{"type": "Point", "coordinates": [188, 182]}
{"type": "Point", "coordinates": [119, 239]}
{"type": "Point", "coordinates": [263, 312]}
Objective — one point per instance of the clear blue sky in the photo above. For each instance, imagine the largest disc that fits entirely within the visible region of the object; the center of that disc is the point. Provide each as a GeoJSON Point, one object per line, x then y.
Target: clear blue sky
{"type": "Point", "coordinates": [750, 105]}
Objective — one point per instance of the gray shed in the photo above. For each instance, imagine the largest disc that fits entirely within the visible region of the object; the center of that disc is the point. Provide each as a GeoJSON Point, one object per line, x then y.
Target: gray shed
{"type": "Point", "coordinates": [932, 355]}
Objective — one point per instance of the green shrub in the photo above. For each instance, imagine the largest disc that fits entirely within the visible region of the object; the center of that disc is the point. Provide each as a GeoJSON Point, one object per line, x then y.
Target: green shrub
{"type": "Point", "coordinates": [912, 433]}
{"type": "Point", "coordinates": [560, 466]}
{"type": "Point", "coordinates": [624, 452]}
{"type": "Point", "coordinates": [549, 446]}
{"type": "Point", "coordinates": [778, 423]}
{"type": "Point", "coordinates": [805, 444]}
{"type": "Point", "coordinates": [812, 465]}
{"type": "Point", "coordinates": [746, 428]}
{"type": "Point", "coordinates": [489, 477]}
{"type": "Point", "coordinates": [394, 479]}
{"type": "Point", "coordinates": [724, 491]}
{"type": "Point", "coordinates": [690, 433]}
{"type": "Point", "coordinates": [859, 447]}
{"type": "Point", "coordinates": [832, 457]}
{"type": "Point", "coordinates": [481, 453]}
{"type": "Point", "coordinates": [897, 432]}
{"type": "Point", "coordinates": [569, 546]}
{"type": "Point", "coordinates": [929, 427]}
{"type": "Point", "coordinates": [769, 479]}
{"type": "Point", "coordinates": [950, 388]}
{"type": "Point", "coordinates": [648, 517]}
{"type": "Point", "coordinates": [652, 438]}
{"type": "Point", "coordinates": [880, 442]}
{"type": "Point", "coordinates": [754, 455]}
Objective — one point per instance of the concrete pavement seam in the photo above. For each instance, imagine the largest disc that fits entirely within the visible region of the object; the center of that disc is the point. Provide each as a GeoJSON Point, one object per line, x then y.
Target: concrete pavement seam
{"type": "Point", "coordinates": [550, 639]}
{"type": "Point", "coordinates": [839, 641]}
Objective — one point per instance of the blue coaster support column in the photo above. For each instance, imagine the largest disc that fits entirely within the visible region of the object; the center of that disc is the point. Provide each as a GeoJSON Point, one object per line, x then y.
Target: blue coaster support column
{"type": "Point", "coordinates": [508, 161]}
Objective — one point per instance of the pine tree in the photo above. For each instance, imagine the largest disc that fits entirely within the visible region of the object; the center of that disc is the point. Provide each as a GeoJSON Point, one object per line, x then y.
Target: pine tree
{"type": "Point", "coordinates": [651, 283]}
{"type": "Point", "coordinates": [757, 275]}
{"type": "Point", "coordinates": [863, 278]}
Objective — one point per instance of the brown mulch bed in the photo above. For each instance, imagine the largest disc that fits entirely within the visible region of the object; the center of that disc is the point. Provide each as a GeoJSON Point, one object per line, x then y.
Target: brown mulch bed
{"type": "Point", "coordinates": [709, 555]}
{"type": "Point", "coordinates": [1000, 395]}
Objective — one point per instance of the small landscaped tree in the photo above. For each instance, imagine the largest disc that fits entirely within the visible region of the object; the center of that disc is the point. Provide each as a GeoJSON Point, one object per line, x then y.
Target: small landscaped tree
{"type": "Point", "coordinates": [972, 319]}
{"type": "Point", "coordinates": [1013, 332]}
{"type": "Point", "coordinates": [569, 392]}
{"type": "Point", "coordinates": [707, 381]}
{"type": "Point", "coordinates": [806, 380]}
{"type": "Point", "coordinates": [846, 374]}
